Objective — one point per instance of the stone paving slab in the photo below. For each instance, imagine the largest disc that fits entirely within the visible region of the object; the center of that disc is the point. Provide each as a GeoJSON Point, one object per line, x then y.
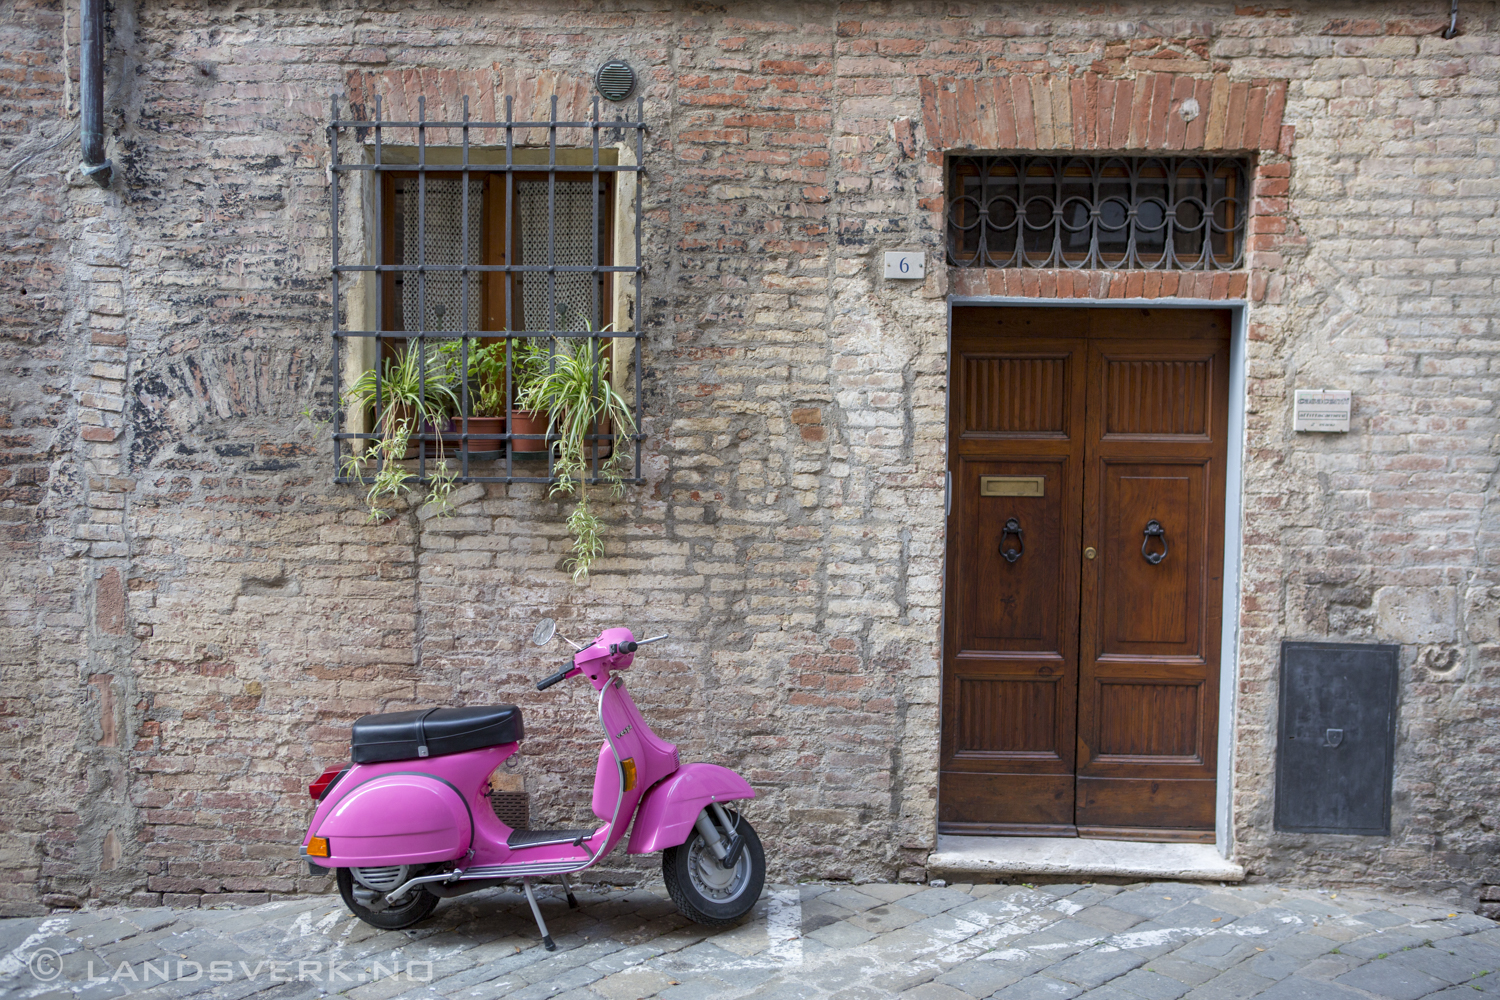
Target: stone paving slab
{"type": "Point", "coordinates": [1151, 941]}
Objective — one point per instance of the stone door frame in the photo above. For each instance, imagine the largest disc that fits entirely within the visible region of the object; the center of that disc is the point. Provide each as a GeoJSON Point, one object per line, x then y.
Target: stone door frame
{"type": "Point", "coordinates": [1234, 507]}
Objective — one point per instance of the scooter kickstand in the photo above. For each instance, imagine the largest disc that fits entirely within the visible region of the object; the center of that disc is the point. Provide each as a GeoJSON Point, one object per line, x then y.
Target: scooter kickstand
{"type": "Point", "coordinates": [536, 911]}
{"type": "Point", "coordinates": [568, 888]}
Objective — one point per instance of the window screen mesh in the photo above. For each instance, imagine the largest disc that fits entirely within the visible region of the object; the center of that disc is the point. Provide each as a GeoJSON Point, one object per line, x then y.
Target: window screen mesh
{"type": "Point", "coordinates": [440, 292]}
{"type": "Point", "coordinates": [573, 298]}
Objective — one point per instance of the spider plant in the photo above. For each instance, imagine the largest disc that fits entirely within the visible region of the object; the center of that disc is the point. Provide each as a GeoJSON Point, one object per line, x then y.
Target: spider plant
{"type": "Point", "coordinates": [572, 387]}
{"type": "Point", "coordinates": [528, 361]}
{"type": "Point", "coordinates": [412, 389]}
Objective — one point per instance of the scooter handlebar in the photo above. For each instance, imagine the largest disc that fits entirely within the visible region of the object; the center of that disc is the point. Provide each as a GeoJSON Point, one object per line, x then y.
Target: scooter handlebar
{"type": "Point", "coordinates": [630, 647]}
{"type": "Point", "coordinates": [547, 682]}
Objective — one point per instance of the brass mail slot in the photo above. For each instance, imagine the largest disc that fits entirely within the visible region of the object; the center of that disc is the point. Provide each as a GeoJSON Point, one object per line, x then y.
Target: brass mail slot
{"type": "Point", "coordinates": [1012, 486]}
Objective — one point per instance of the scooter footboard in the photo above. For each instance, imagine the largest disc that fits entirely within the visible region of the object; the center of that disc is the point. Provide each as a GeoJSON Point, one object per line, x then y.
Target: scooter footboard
{"type": "Point", "coordinates": [669, 808]}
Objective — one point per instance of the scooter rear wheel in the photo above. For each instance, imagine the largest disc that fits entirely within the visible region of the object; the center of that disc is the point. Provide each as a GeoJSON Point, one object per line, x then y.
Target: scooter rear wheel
{"type": "Point", "coordinates": [705, 891]}
{"type": "Point", "coordinates": [419, 904]}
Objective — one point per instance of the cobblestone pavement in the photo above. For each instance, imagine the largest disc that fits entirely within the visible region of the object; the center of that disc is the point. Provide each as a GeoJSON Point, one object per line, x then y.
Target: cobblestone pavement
{"type": "Point", "coordinates": [1154, 941]}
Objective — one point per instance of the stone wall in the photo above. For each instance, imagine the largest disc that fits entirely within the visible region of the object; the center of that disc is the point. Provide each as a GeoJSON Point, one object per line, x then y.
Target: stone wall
{"type": "Point", "coordinates": [194, 612]}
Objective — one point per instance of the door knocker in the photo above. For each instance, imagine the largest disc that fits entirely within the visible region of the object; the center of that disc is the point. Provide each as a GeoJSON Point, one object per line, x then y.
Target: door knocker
{"type": "Point", "coordinates": [1154, 530]}
{"type": "Point", "coordinates": [1012, 527]}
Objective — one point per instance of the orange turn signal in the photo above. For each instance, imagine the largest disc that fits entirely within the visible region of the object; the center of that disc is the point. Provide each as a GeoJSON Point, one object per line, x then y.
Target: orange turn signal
{"type": "Point", "coordinates": [317, 847]}
{"type": "Point", "coordinates": [628, 765]}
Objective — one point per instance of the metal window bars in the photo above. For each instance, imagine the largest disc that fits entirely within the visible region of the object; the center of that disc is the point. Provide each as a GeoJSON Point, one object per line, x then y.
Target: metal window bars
{"type": "Point", "coordinates": [502, 161]}
{"type": "Point", "coordinates": [1115, 212]}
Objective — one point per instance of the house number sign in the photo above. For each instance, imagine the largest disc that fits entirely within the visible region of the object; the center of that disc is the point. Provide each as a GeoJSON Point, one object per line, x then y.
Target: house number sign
{"type": "Point", "coordinates": [1321, 410]}
{"type": "Point", "coordinates": [905, 264]}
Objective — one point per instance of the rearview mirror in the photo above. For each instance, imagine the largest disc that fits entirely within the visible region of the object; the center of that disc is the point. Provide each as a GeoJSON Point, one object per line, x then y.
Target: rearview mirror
{"type": "Point", "coordinates": [545, 630]}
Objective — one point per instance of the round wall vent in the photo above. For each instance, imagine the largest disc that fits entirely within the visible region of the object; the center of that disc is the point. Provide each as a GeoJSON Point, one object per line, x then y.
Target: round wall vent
{"type": "Point", "coordinates": [615, 80]}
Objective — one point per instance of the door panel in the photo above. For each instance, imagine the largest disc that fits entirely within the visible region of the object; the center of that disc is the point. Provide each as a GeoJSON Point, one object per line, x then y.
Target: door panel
{"type": "Point", "coordinates": [1145, 607]}
{"type": "Point", "coordinates": [1009, 804]}
{"type": "Point", "coordinates": [1006, 395]}
{"type": "Point", "coordinates": [1013, 603]}
{"type": "Point", "coordinates": [1153, 396]}
{"type": "Point", "coordinates": [1011, 637]}
{"type": "Point", "coordinates": [1134, 808]}
{"type": "Point", "coordinates": [1149, 632]}
{"type": "Point", "coordinates": [998, 715]}
{"type": "Point", "coordinates": [1156, 719]}
{"type": "Point", "coordinates": [1080, 676]}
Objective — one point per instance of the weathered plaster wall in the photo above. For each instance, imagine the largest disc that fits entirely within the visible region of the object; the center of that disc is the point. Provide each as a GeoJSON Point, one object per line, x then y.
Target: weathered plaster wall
{"type": "Point", "coordinates": [194, 612]}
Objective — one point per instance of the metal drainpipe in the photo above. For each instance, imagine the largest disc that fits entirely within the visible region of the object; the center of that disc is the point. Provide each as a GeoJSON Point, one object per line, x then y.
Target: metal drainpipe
{"type": "Point", "coordinates": [91, 91]}
{"type": "Point", "coordinates": [1452, 28]}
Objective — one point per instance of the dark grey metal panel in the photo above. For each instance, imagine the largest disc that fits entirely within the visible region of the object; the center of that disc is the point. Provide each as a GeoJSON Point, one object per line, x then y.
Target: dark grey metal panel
{"type": "Point", "coordinates": [1337, 737]}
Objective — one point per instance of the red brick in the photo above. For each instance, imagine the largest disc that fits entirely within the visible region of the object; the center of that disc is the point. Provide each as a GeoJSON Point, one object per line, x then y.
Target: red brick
{"type": "Point", "coordinates": [1122, 114]}
{"type": "Point", "coordinates": [1270, 134]}
{"type": "Point", "coordinates": [1176, 133]}
{"type": "Point", "coordinates": [1020, 89]}
{"type": "Point", "coordinates": [1160, 111]}
{"type": "Point", "coordinates": [1234, 119]}
{"type": "Point", "coordinates": [1255, 111]}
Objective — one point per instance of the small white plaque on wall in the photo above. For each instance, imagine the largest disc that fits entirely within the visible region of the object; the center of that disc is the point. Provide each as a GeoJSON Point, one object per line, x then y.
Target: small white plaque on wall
{"type": "Point", "coordinates": [905, 264]}
{"type": "Point", "coordinates": [1321, 410]}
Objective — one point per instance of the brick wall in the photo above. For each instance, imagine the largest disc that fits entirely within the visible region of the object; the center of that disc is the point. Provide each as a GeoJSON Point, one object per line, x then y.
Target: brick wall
{"type": "Point", "coordinates": [194, 612]}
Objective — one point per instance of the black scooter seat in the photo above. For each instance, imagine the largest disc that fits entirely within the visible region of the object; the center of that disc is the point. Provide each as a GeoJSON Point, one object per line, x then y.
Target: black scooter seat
{"type": "Point", "coordinates": [432, 732]}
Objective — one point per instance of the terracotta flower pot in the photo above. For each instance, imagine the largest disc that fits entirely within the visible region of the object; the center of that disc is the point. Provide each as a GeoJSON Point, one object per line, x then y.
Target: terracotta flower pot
{"type": "Point", "coordinates": [479, 448]}
{"type": "Point", "coordinates": [528, 422]}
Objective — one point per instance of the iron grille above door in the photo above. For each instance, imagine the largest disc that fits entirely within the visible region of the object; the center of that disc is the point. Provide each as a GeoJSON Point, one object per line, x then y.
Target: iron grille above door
{"type": "Point", "coordinates": [1146, 212]}
{"type": "Point", "coordinates": [517, 242]}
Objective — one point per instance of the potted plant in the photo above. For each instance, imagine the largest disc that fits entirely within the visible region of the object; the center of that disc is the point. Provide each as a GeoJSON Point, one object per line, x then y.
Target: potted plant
{"type": "Point", "coordinates": [530, 358]}
{"type": "Point", "coordinates": [573, 389]}
{"type": "Point", "coordinates": [486, 417]}
{"type": "Point", "coordinates": [414, 392]}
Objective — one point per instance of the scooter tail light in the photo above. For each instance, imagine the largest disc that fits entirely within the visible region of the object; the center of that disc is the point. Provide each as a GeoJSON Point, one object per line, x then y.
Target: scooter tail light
{"type": "Point", "coordinates": [317, 847]}
{"type": "Point", "coordinates": [628, 766]}
{"type": "Point", "coordinates": [326, 780]}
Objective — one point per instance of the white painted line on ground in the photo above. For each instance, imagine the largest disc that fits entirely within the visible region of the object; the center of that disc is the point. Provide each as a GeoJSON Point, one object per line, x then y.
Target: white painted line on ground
{"type": "Point", "coordinates": [784, 927]}
{"type": "Point", "coordinates": [16, 960]}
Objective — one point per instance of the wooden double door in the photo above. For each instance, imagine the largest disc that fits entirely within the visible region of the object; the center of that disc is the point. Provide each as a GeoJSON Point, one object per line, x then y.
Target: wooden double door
{"type": "Point", "coordinates": [1084, 572]}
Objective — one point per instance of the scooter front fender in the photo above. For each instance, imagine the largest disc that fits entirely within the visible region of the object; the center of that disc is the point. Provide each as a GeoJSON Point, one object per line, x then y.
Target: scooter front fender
{"type": "Point", "coordinates": [669, 808]}
{"type": "Point", "coordinates": [397, 819]}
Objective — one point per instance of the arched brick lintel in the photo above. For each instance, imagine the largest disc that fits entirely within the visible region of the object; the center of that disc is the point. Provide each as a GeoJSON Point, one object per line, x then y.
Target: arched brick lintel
{"type": "Point", "coordinates": [1049, 111]}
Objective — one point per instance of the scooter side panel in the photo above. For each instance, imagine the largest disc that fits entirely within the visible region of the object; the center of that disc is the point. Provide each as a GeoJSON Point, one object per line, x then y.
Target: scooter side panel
{"type": "Point", "coordinates": [670, 808]}
{"type": "Point", "coordinates": [397, 819]}
{"type": "Point", "coordinates": [469, 772]}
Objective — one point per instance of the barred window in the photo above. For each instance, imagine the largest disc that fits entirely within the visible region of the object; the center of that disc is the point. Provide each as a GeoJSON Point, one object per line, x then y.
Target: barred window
{"type": "Point", "coordinates": [469, 257]}
{"type": "Point", "coordinates": [1155, 213]}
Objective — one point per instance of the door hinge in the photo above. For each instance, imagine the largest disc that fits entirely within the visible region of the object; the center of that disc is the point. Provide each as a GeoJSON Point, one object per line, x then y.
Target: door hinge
{"type": "Point", "coordinates": [947, 494]}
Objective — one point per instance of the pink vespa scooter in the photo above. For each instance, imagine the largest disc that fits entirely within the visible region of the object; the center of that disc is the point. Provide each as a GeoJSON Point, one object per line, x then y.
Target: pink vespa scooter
{"type": "Point", "coordinates": [407, 823]}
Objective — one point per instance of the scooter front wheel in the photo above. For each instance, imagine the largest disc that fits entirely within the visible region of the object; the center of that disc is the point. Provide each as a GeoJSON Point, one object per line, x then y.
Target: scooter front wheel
{"type": "Point", "coordinates": [705, 891]}
{"type": "Point", "coordinates": [418, 904]}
